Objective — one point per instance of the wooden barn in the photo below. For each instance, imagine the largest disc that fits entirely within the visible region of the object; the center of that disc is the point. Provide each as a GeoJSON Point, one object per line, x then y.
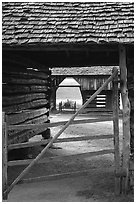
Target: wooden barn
{"type": "Point", "coordinates": [38, 36]}
{"type": "Point", "coordinates": [90, 79]}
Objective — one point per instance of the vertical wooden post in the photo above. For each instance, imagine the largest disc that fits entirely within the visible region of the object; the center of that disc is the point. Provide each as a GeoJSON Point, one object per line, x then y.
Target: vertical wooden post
{"type": "Point", "coordinates": [4, 157]}
{"type": "Point", "coordinates": [126, 118]}
{"type": "Point", "coordinates": [54, 98]}
{"type": "Point", "coordinates": [53, 94]}
{"type": "Point", "coordinates": [116, 133]}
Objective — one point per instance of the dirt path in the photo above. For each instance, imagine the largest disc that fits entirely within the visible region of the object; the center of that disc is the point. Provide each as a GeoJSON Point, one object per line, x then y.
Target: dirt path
{"type": "Point", "coordinates": [97, 185]}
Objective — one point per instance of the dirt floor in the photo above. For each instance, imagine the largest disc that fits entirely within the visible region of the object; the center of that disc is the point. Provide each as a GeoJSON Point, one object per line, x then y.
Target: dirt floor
{"type": "Point", "coordinates": [96, 184]}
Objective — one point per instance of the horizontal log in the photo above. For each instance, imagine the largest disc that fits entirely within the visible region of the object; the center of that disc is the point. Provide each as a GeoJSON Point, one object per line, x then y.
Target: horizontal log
{"type": "Point", "coordinates": [21, 89]}
{"type": "Point", "coordinates": [58, 158]}
{"type": "Point", "coordinates": [55, 124]}
{"type": "Point", "coordinates": [26, 115]}
{"type": "Point", "coordinates": [25, 106]}
{"type": "Point", "coordinates": [28, 74]}
{"type": "Point", "coordinates": [11, 80]}
{"type": "Point", "coordinates": [38, 120]}
{"type": "Point", "coordinates": [11, 100]}
{"type": "Point", "coordinates": [16, 133]}
{"type": "Point", "coordinates": [84, 138]}
{"type": "Point", "coordinates": [23, 136]}
{"type": "Point", "coordinates": [60, 140]}
{"type": "Point", "coordinates": [28, 144]}
{"type": "Point", "coordinates": [13, 132]}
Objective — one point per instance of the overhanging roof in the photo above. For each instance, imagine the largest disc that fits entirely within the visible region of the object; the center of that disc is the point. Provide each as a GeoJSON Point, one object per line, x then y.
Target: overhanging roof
{"type": "Point", "coordinates": [82, 71]}
{"type": "Point", "coordinates": [27, 24]}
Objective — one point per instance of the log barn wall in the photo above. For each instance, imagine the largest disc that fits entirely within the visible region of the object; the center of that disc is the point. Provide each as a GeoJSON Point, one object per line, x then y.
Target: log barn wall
{"type": "Point", "coordinates": [25, 100]}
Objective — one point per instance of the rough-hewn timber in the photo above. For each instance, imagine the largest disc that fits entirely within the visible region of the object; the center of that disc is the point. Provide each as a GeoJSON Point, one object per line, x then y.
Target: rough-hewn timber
{"type": "Point", "coordinates": [26, 99]}
{"type": "Point", "coordinates": [7, 101]}
{"type": "Point", "coordinates": [18, 118]}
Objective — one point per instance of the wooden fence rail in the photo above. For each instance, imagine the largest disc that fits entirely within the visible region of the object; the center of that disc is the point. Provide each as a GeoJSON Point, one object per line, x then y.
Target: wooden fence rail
{"type": "Point", "coordinates": [66, 124]}
{"type": "Point", "coordinates": [70, 139]}
{"type": "Point", "coordinates": [55, 124]}
{"type": "Point", "coordinates": [60, 158]}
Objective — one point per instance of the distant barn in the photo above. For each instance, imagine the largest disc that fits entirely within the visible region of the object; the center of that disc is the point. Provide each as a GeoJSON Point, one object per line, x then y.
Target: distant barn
{"type": "Point", "coordinates": [90, 79]}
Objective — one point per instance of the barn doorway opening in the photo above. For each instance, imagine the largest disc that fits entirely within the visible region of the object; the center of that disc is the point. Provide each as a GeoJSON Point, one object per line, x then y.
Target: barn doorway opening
{"type": "Point", "coordinates": [69, 92]}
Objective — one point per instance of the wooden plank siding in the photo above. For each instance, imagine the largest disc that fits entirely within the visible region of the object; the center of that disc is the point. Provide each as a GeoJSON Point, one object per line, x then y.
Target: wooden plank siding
{"type": "Point", "coordinates": [102, 101]}
{"type": "Point", "coordinates": [86, 82]}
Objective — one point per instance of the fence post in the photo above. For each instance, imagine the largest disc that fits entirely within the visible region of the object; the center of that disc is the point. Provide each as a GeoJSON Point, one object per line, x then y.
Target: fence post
{"type": "Point", "coordinates": [126, 119]}
{"type": "Point", "coordinates": [4, 157]}
{"type": "Point", "coordinates": [116, 134]}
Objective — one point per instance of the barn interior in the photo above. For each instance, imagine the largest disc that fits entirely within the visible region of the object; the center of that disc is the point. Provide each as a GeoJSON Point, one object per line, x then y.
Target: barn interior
{"type": "Point", "coordinates": [29, 53]}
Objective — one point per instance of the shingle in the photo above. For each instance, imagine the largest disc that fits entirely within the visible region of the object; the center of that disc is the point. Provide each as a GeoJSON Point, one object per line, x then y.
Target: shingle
{"type": "Point", "coordinates": [67, 22]}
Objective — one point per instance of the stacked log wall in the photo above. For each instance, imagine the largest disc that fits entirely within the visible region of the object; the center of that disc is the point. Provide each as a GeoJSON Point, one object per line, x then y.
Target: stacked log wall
{"type": "Point", "coordinates": [26, 100]}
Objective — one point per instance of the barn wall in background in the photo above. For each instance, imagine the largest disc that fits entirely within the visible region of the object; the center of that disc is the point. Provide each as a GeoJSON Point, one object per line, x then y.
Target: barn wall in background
{"type": "Point", "coordinates": [89, 84]}
{"type": "Point", "coordinates": [102, 102]}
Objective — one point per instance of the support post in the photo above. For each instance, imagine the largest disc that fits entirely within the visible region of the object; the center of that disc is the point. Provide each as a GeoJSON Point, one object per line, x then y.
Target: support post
{"type": "Point", "coordinates": [53, 94]}
{"type": "Point", "coordinates": [54, 97]}
{"type": "Point", "coordinates": [116, 133]}
{"type": "Point", "coordinates": [126, 118]}
{"type": "Point", "coordinates": [4, 158]}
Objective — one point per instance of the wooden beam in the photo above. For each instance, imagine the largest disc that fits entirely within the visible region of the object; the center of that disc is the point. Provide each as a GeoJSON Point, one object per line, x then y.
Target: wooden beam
{"type": "Point", "coordinates": [70, 139]}
{"type": "Point", "coordinates": [116, 133]}
{"type": "Point", "coordinates": [126, 117]}
{"type": "Point", "coordinates": [14, 80]}
{"type": "Point", "coordinates": [63, 47]}
{"type": "Point", "coordinates": [58, 158]}
{"type": "Point", "coordinates": [24, 106]}
{"type": "Point", "coordinates": [17, 118]}
{"type": "Point", "coordinates": [4, 157]}
{"type": "Point", "coordinates": [55, 124]}
{"type": "Point", "coordinates": [27, 74]}
{"type": "Point", "coordinates": [19, 99]}
{"type": "Point", "coordinates": [21, 89]}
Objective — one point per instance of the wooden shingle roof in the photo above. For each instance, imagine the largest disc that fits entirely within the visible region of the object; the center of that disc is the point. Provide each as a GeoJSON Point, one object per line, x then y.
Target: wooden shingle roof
{"type": "Point", "coordinates": [41, 23]}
